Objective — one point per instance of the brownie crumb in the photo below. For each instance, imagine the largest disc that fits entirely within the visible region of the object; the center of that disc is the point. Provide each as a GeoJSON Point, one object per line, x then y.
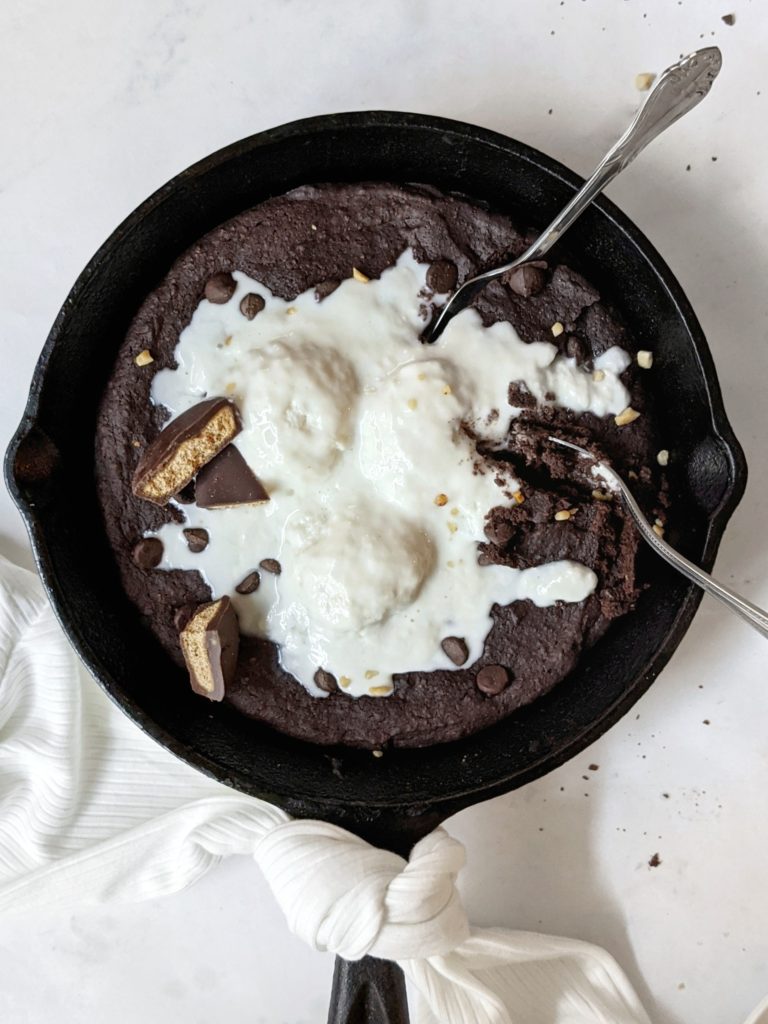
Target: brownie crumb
{"type": "Point", "coordinates": [654, 861]}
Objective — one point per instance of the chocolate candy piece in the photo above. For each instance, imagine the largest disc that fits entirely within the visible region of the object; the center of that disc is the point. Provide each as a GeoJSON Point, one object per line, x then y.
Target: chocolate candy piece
{"type": "Point", "coordinates": [183, 447]}
{"type": "Point", "coordinates": [227, 481]}
{"type": "Point", "coordinates": [576, 349]}
{"type": "Point", "coordinates": [271, 565]}
{"type": "Point", "coordinates": [148, 553]}
{"type": "Point", "coordinates": [209, 643]}
{"type": "Point", "coordinates": [325, 288]}
{"type": "Point", "coordinates": [442, 276]}
{"type": "Point", "coordinates": [249, 584]}
{"type": "Point", "coordinates": [492, 679]}
{"type": "Point", "coordinates": [220, 288]}
{"type": "Point", "coordinates": [325, 681]}
{"type": "Point", "coordinates": [251, 304]}
{"type": "Point", "coordinates": [456, 649]}
{"type": "Point", "coordinates": [197, 540]}
{"type": "Point", "coordinates": [526, 280]}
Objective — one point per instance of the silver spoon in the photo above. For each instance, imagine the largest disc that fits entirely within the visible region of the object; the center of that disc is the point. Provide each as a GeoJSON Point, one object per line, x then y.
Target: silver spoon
{"type": "Point", "coordinates": [677, 91]}
{"type": "Point", "coordinates": [755, 616]}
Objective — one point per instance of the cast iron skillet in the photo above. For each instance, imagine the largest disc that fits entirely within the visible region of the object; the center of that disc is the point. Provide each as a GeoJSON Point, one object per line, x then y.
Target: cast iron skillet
{"type": "Point", "coordinates": [396, 799]}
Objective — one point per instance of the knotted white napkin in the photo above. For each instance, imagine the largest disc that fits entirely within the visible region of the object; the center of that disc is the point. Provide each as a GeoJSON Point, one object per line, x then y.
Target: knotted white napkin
{"type": "Point", "coordinates": [93, 811]}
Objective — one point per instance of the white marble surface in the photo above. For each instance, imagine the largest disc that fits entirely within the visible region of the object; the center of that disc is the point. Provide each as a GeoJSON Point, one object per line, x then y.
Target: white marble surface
{"type": "Point", "coordinates": [103, 103]}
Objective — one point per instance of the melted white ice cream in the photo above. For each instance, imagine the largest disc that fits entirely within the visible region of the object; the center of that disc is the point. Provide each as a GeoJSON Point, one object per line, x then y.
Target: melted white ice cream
{"type": "Point", "coordinates": [377, 498]}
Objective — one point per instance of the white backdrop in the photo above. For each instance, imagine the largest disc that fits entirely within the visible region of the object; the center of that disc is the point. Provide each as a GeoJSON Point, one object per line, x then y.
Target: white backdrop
{"type": "Point", "coordinates": [103, 102]}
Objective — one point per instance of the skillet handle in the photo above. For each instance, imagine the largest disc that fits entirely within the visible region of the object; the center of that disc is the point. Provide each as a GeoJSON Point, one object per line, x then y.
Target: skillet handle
{"type": "Point", "coordinates": [368, 991]}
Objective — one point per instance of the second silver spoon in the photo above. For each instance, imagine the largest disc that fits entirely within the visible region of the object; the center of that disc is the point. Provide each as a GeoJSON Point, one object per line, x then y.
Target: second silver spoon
{"type": "Point", "coordinates": [677, 90]}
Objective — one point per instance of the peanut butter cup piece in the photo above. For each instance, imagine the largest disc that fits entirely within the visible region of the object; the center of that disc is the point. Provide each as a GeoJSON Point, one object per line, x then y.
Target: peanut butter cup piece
{"type": "Point", "coordinates": [226, 481]}
{"type": "Point", "coordinates": [209, 643]}
{"type": "Point", "coordinates": [183, 447]}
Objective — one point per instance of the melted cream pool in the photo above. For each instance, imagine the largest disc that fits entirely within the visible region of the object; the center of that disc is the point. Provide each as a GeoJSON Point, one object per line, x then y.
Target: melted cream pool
{"type": "Point", "coordinates": [377, 500]}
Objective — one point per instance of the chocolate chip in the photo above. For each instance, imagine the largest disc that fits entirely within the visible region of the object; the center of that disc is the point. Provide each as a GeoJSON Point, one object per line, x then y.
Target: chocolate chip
{"type": "Point", "coordinates": [442, 276]}
{"type": "Point", "coordinates": [220, 288]}
{"type": "Point", "coordinates": [729, 19]}
{"type": "Point", "coordinates": [182, 615]}
{"type": "Point", "coordinates": [251, 304]}
{"type": "Point", "coordinates": [525, 281]}
{"type": "Point", "coordinates": [456, 649]}
{"type": "Point", "coordinates": [271, 565]}
{"type": "Point", "coordinates": [576, 349]}
{"type": "Point", "coordinates": [325, 681]}
{"type": "Point", "coordinates": [197, 540]}
{"type": "Point", "coordinates": [492, 679]}
{"type": "Point", "coordinates": [186, 495]}
{"type": "Point", "coordinates": [148, 553]}
{"type": "Point", "coordinates": [325, 288]}
{"type": "Point", "coordinates": [249, 584]}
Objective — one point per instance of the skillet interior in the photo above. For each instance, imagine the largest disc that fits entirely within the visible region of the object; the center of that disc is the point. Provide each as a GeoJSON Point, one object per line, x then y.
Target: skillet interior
{"type": "Point", "coordinates": [49, 470]}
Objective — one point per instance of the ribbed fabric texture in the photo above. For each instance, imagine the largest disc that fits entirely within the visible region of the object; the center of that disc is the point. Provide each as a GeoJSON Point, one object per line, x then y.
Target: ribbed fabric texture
{"type": "Point", "coordinates": [93, 811]}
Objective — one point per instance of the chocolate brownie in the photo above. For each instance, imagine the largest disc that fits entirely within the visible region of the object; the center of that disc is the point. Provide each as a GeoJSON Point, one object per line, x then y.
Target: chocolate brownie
{"type": "Point", "coordinates": [311, 238]}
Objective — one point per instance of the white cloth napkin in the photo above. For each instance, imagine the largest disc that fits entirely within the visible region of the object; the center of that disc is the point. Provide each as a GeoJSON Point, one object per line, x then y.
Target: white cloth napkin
{"type": "Point", "coordinates": [93, 811]}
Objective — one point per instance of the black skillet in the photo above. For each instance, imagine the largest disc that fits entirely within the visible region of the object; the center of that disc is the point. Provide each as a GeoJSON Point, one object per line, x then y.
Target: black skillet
{"type": "Point", "coordinates": [393, 800]}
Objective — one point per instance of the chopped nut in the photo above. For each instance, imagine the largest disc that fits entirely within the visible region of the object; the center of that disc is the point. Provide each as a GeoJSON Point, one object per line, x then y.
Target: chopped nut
{"type": "Point", "coordinates": [563, 515]}
{"type": "Point", "coordinates": [602, 496]}
{"type": "Point", "coordinates": [360, 276]}
{"type": "Point", "coordinates": [659, 522]}
{"type": "Point", "coordinates": [378, 753]}
{"type": "Point", "coordinates": [380, 691]}
{"type": "Point", "coordinates": [136, 444]}
{"type": "Point", "coordinates": [228, 341]}
{"type": "Point", "coordinates": [663, 457]}
{"type": "Point", "coordinates": [313, 227]}
{"type": "Point", "coordinates": [450, 565]}
{"type": "Point", "coordinates": [452, 526]}
{"type": "Point", "coordinates": [598, 375]}
{"type": "Point", "coordinates": [628, 416]}
{"type": "Point", "coordinates": [557, 329]}
{"type": "Point", "coordinates": [412, 403]}
{"type": "Point", "coordinates": [144, 358]}
{"type": "Point", "coordinates": [632, 474]}
{"type": "Point", "coordinates": [345, 681]}
{"type": "Point", "coordinates": [447, 390]}
{"type": "Point", "coordinates": [231, 388]}
{"type": "Point", "coordinates": [645, 359]}
{"type": "Point", "coordinates": [644, 81]}
{"type": "Point", "coordinates": [441, 499]}
{"type": "Point", "coordinates": [454, 511]}
{"type": "Point", "coordinates": [658, 530]}
{"type": "Point", "coordinates": [519, 497]}
{"type": "Point", "coordinates": [291, 311]}
{"type": "Point", "coordinates": [371, 673]}
{"type": "Point", "coordinates": [422, 376]}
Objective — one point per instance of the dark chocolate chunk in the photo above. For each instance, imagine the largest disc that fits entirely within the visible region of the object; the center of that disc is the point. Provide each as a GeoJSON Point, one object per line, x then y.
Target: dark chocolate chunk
{"type": "Point", "coordinates": [325, 288]}
{"type": "Point", "coordinates": [148, 553]}
{"type": "Point", "coordinates": [182, 615]}
{"type": "Point", "coordinates": [271, 565]}
{"type": "Point", "coordinates": [325, 681]}
{"type": "Point", "coordinates": [576, 349]}
{"type": "Point", "coordinates": [197, 539]}
{"type": "Point", "coordinates": [525, 281]}
{"type": "Point", "coordinates": [251, 304]}
{"type": "Point", "coordinates": [442, 276]}
{"type": "Point", "coordinates": [456, 649]}
{"type": "Point", "coordinates": [227, 481]}
{"type": "Point", "coordinates": [492, 679]}
{"type": "Point", "coordinates": [220, 288]}
{"type": "Point", "coordinates": [209, 643]}
{"type": "Point", "coordinates": [186, 495]}
{"type": "Point", "coordinates": [183, 447]}
{"type": "Point", "coordinates": [249, 584]}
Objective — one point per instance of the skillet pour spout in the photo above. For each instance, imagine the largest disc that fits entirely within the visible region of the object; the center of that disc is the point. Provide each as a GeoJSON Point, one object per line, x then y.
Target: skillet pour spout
{"type": "Point", "coordinates": [395, 799]}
